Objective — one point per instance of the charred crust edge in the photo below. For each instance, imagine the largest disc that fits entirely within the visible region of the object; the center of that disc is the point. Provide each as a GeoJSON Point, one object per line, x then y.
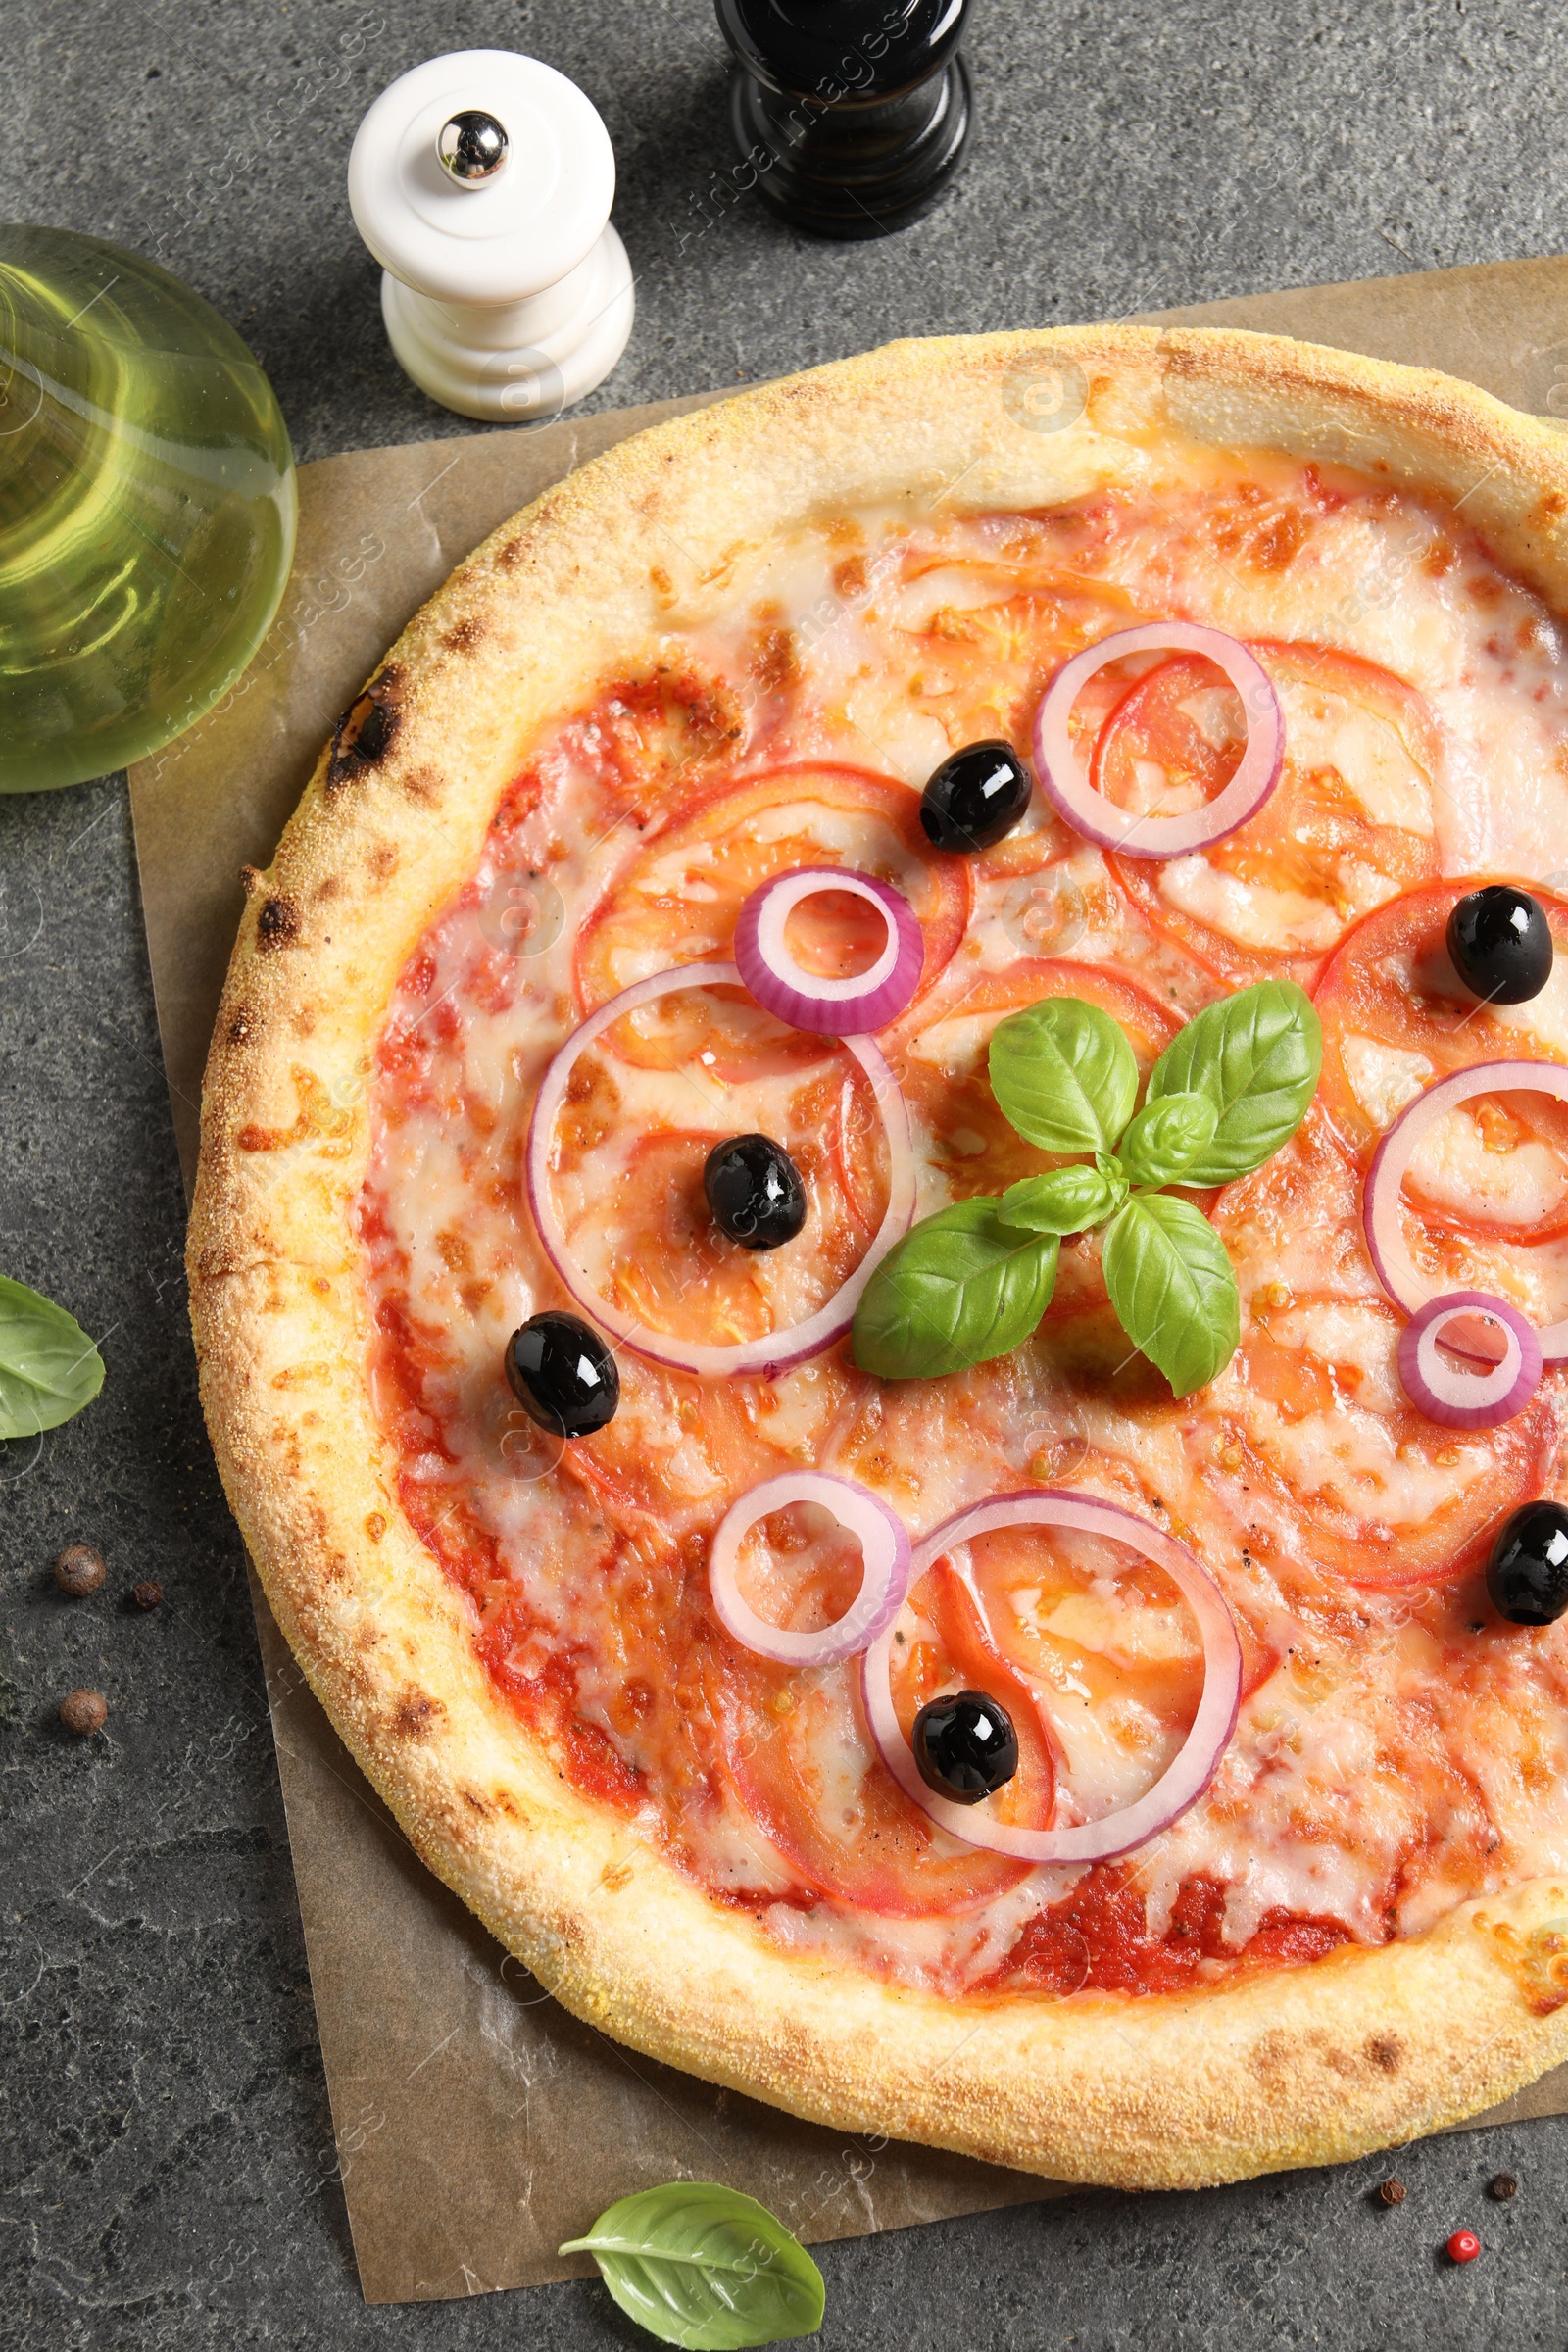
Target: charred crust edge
{"type": "Point", "coordinates": [367, 729]}
{"type": "Point", "coordinates": [277, 924]}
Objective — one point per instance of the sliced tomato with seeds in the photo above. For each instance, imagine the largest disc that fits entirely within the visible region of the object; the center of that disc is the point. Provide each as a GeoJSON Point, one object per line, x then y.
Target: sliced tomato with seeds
{"type": "Point", "coordinates": [939, 1054]}
{"type": "Point", "coordinates": [718, 1037]}
{"type": "Point", "coordinates": [644, 1108]}
{"type": "Point", "coordinates": [1172, 740]}
{"type": "Point", "coordinates": [647, 1242]}
{"type": "Point", "coordinates": [1308, 1448]}
{"type": "Point", "coordinates": [1107, 1635]}
{"type": "Point", "coordinates": [1397, 1017]}
{"type": "Point", "coordinates": [659, 732]}
{"type": "Point", "coordinates": [1301, 1209]}
{"type": "Point", "coordinates": [1485, 1197]}
{"type": "Point", "coordinates": [987, 641]}
{"type": "Point", "coordinates": [990, 640]}
{"type": "Point", "coordinates": [1349, 825]}
{"type": "Point", "coordinates": [808, 1772]}
{"type": "Point", "coordinates": [1110, 1644]}
{"type": "Point", "coordinates": [681, 1449]}
{"type": "Point", "coordinates": [1323, 1446]}
{"type": "Point", "coordinates": [676, 897]}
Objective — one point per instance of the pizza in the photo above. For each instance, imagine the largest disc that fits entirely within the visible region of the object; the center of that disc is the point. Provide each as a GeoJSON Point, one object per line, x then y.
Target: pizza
{"type": "Point", "coordinates": [881, 1257]}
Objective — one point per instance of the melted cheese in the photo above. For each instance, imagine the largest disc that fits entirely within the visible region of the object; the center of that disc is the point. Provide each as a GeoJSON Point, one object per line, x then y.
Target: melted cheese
{"type": "Point", "coordinates": [1383, 1077]}
{"type": "Point", "coordinates": [1327, 730]}
{"type": "Point", "coordinates": [1388, 1761]}
{"type": "Point", "coordinates": [1257, 914]}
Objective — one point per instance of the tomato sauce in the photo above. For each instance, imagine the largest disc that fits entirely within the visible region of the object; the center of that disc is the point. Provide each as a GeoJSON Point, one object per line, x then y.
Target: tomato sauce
{"type": "Point", "coordinates": [1099, 1942]}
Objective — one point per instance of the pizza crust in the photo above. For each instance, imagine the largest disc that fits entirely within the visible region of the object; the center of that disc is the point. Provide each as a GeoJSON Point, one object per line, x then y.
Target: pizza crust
{"type": "Point", "coordinates": [1291, 2066]}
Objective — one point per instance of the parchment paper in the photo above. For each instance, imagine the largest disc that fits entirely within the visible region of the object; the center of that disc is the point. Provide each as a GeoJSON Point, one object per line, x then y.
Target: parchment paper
{"type": "Point", "coordinates": [478, 2123]}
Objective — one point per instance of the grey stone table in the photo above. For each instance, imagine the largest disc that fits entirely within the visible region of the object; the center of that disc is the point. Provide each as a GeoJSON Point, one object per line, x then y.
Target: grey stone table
{"type": "Point", "coordinates": [164, 2142]}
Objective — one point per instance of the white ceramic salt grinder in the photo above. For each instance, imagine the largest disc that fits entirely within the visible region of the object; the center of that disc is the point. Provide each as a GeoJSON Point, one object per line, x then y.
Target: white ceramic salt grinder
{"type": "Point", "coordinates": [482, 183]}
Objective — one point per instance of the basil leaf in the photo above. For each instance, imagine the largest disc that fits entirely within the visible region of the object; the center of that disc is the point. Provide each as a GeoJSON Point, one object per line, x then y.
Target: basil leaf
{"type": "Point", "coordinates": [958, 1289]}
{"type": "Point", "coordinates": [1168, 1137]}
{"type": "Point", "coordinates": [1065, 1075]}
{"type": "Point", "coordinates": [1256, 1055]}
{"type": "Point", "coordinates": [1066, 1201]}
{"type": "Point", "coordinates": [1171, 1283]}
{"type": "Point", "coordinates": [705, 2267]}
{"type": "Point", "coordinates": [49, 1368]}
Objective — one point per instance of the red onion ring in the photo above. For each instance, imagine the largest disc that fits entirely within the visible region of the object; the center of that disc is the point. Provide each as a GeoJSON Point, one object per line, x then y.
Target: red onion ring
{"type": "Point", "coordinates": [884, 1581]}
{"type": "Point", "coordinates": [1184, 1779]}
{"type": "Point", "coordinates": [1089, 813]}
{"type": "Point", "coordinates": [774, 1351]}
{"type": "Point", "coordinates": [1464, 1399]}
{"type": "Point", "coordinates": [832, 1007]}
{"type": "Point", "coordinates": [1392, 1261]}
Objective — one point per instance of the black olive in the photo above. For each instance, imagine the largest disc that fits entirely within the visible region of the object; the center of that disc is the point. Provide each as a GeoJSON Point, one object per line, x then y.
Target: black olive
{"type": "Point", "coordinates": [1500, 943]}
{"type": "Point", "coordinates": [965, 1746]}
{"type": "Point", "coordinates": [561, 1373]}
{"type": "Point", "coordinates": [754, 1191]}
{"type": "Point", "coordinates": [976, 796]}
{"type": "Point", "coordinates": [1528, 1574]}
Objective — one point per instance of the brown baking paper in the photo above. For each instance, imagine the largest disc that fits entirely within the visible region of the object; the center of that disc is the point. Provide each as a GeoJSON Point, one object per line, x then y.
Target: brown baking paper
{"type": "Point", "coordinates": [478, 2123]}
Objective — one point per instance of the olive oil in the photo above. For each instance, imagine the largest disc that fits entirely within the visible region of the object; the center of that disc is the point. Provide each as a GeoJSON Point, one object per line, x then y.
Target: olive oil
{"type": "Point", "coordinates": [147, 508]}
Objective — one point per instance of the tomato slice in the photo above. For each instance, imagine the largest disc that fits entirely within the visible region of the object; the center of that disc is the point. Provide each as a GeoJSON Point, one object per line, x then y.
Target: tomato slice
{"type": "Point", "coordinates": [1321, 1453]}
{"type": "Point", "coordinates": [939, 1051]}
{"type": "Point", "coordinates": [681, 1449]}
{"type": "Point", "coordinates": [647, 733]}
{"type": "Point", "coordinates": [1302, 1208]}
{"type": "Point", "coordinates": [1486, 1194]}
{"type": "Point", "coordinates": [676, 897]}
{"type": "Point", "coordinates": [1349, 825]}
{"type": "Point", "coordinates": [718, 1037]}
{"type": "Point", "coordinates": [985, 639]}
{"type": "Point", "coordinates": [989, 639]}
{"type": "Point", "coordinates": [1307, 1452]}
{"type": "Point", "coordinates": [1396, 1016]}
{"type": "Point", "coordinates": [626, 1183]}
{"type": "Point", "coordinates": [809, 1774]}
{"type": "Point", "coordinates": [1110, 1645]}
{"type": "Point", "coordinates": [1170, 742]}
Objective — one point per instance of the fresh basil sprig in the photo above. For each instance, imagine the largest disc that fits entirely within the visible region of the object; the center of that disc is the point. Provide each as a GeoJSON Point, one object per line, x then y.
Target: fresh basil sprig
{"type": "Point", "coordinates": [1167, 1138]}
{"type": "Point", "coordinates": [969, 1287]}
{"type": "Point", "coordinates": [1256, 1057]}
{"type": "Point", "coordinates": [971, 1281]}
{"type": "Point", "coordinates": [1171, 1285]}
{"type": "Point", "coordinates": [1067, 1200]}
{"type": "Point", "coordinates": [1064, 1074]}
{"type": "Point", "coordinates": [705, 2267]}
{"type": "Point", "coordinates": [49, 1368]}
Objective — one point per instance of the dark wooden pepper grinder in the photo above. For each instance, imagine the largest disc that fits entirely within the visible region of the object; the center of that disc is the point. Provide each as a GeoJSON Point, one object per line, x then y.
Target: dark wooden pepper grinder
{"type": "Point", "coordinates": [853, 115]}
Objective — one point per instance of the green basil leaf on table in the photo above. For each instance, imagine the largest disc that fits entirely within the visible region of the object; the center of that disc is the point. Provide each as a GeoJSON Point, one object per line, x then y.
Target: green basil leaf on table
{"type": "Point", "coordinates": [1064, 1074]}
{"type": "Point", "coordinates": [1171, 1285]}
{"type": "Point", "coordinates": [1168, 1137]}
{"type": "Point", "coordinates": [49, 1368]}
{"type": "Point", "coordinates": [1066, 1201]}
{"type": "Point", "coordinates": [961, 1288]}
{"type": "Point", "coordinates": [705, 2267]}
{"type": "Point", "coordinates": [1256, 1055]}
